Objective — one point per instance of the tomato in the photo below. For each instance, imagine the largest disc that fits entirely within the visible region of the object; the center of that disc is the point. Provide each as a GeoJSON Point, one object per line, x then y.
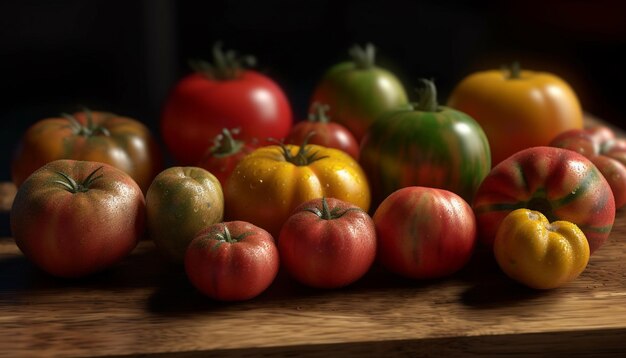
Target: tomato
{"type": "Point", "coordinates": [359, 91]}
{"type": "Point", "coordinates": [224, 155]}
{"type": "Point", "coordinates": [517, 109]}
{"type": "Point", "coordinates": [103, 137]}
{"type": "Point", "coordinates": [604, 150]}
{"type": "Point", "coordinates": [559, 183]}
{"type": "Point", "coordinates": [425, 144]}
{"type": "Point", "coordinates": [269, 183]}
{"type": "Point", "coordinates": [327, 243]}
{"type": "Point", "coordinates": [180, 202]}
{"type": "Point", "coordinates": [540, 254]}
{"type": "Point", "coordinates": [232, 261]}
{"type": "Point", "coordinates": [424, 232]}
{"type": "Point", "coordinates": [73, 218]}
{"type": "Point", "coordinates": [327, 133]}
{"type": "Point", "coordinates": [222, 95]}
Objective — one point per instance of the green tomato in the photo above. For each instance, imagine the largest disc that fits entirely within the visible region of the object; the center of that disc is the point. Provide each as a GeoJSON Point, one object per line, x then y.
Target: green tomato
{"type": "Point", "coordinates": [357, 92]}
{"type": "Point", "coordinates": [425, 145]}
{"type": "Point", "coordinates": [180, 202]}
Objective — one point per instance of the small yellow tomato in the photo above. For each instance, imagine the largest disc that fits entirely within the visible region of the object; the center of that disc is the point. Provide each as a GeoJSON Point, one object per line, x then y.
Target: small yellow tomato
{"type": "Point", "coordinates": [269, 183]}
{"type": "Point", "coordinates": [540, 254]}
{"type": "Point", "coordinates": [517, 109]}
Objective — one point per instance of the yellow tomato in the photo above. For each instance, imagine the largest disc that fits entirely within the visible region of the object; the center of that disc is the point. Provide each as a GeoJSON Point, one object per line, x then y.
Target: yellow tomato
{"type": "Point", "coordinates": [271, 181]}
{"type": "Point", "coordinates": [517, 109]}
{"type": "Point", "coordinates": [540, 254]}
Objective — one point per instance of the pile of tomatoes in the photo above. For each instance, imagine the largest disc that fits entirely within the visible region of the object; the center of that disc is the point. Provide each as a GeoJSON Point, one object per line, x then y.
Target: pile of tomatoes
{"type": "Point", "coordinates": [369, 177]}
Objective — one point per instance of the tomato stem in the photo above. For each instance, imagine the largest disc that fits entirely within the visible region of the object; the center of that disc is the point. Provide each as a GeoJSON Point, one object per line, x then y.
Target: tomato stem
{"type": "Point", "coordinates": [225, 145]}
{"type": "Point", "coordinates": [303, 157]}
{"type": "Point", "coordinates": [514, 70]}
{"type": "Point", "coordinates": [363, 58]}
{"type": "Point", "coordinates": [319, 113]}
{"type": "Point", "coordinates": [329, 214]}
{"type": "Point", "coordinates": [427, 96]}
{"type": "Point", "coordinates": [226, 236]}
{"type": "Point", "coordinates": [88, 130]}
{"type": "Point", "coordinates": [226, 65]}
{"type": "Point", "coordinates": [73, 186]}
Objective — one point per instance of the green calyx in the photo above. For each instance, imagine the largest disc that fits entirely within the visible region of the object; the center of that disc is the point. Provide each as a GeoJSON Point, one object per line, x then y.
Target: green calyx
{"type": "Point", "coordinates": [514, 71]}
{"type": "Point", "coordinates": [319, 113]}
{"type": "Point", "coordinates": [73, 186]}
{"type": "Point", "coordinates": [88, 130]}
{"type": "Point", "coordinates": [427, 97]}
{"type": "Point", "coordinates": [225, 145]}
{"type": "Point", "coordinates": [226, 236]}
{"type": "Point", "coordinates": [304, 156]}
{"type": "Point", "coordinates": [226, 65]}
{"type": "Point", "coordinates": [363, 57]}
{"type": "Point", "coordinates": [325, 213]}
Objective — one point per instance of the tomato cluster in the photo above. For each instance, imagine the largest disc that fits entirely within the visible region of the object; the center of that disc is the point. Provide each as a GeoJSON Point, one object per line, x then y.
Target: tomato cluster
{"type": "Point", "coordinates": [369, 177]}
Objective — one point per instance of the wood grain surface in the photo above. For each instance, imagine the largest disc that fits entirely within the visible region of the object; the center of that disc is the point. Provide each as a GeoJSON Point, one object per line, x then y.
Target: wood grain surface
{"type": "Point", "coordinates": [145, 306]}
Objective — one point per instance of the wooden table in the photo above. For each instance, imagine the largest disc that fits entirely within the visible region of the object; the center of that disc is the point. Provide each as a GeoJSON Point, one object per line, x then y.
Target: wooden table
{"type": "Point", "coordinates": [143, 306]}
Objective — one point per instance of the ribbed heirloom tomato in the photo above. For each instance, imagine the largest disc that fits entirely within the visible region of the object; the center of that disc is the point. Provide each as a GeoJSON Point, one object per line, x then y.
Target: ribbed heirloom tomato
{"type": "Point", "coordinates": [269, 183]}
{"type": "Point", "coordinates": [559, 183]}
{"type": "Point", "coordinates": [516, 108]}
{"type": "Point", "coordinates": [73, 218]}
{"type": "Point", "coordinates": [222, 95]}
{"type": "Point", "coordinates": [122, 142]}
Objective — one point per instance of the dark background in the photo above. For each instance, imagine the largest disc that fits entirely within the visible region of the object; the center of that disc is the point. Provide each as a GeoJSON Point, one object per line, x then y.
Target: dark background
{"type": "Point", "coordinates": [124, 56]}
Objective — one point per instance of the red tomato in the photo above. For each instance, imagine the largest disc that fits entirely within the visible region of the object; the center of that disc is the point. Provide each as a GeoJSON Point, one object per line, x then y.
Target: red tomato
{"type": "Point", "coordinates": [327, 243]}
{"type": "Point", "coordinates": [604, 150]}
{"type": "Point", "coordinates": [328, 134]}
{"type": "Point", "coordinates": [122, 142]}
{"type": "Point", "coordinates": [222, 158]}
{"type": "Point", "coordinates": [559, 183]}
{"type": "Point", "coordinates": [424, 232]}
{"type": "Point", "coordinates": [222, 96]}
{"type": "Point", "coordinates": [232, 261]}
{"type": "Point", "coordinates": [72, 218]}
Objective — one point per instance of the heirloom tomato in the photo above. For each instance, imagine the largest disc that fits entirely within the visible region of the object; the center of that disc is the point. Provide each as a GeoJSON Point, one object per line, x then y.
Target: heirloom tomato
{"type": "Point", "coordinates": [559, 183]}
{"type": "Point", "coordinates": [424, 232]}
{"type": "Point", "coordinates": [604, 150]}
{"type": "Point", "coordinates": [73, 218]}
{"type": "Point", "coordinates": [269, 183]}
{"type": "Point", "coordinates": [516, 108]}
{"type": "Point", "coordinates": [122, 142]}
{"type": "Point", "coordinates": [358, 91]}
{"type": "Point", "coordinates": [232, 261]}
{"type": "Point", "coordinates": [327, 243]}
{"type": "Point", "coordinates": [224, 155]}
{"type": "Point", "coordinates": [217, 96]}
{"type": "Point", "coordinates": [180, 202]}
{"type": "Point", "coordinates": [327, 133]}
{"type": "Point", "coordinates": [537, 253]}
{"type": "Point", "coordinates": [425, 145]}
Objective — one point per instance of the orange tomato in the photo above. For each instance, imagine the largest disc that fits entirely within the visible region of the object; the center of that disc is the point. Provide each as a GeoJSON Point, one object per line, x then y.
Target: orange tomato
{"type": "Point", "coordinates": [269, 183]}
{"type": "Point", "coordinates": [517, 109]}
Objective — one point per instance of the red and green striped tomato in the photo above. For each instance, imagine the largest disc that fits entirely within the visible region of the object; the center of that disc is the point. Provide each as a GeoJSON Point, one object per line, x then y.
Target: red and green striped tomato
{"type": "Point", "coordinates": [358, 91]}
{"type": "Point", "coordinates": [439, 148]}
{"type": "Point", "coordinates": [559, 183]}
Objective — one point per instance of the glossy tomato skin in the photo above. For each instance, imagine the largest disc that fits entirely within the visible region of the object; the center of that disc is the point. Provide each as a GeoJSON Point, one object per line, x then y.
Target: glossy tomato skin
{"type": "Point", "coordinates": [607, 152]}
{"type": "Point", "coordinates": [180, 202]}
{"type": "Point", "coordinates": [327, 134]}
{"type": "Point", "coordinates": [357, 96]}
{"type": "Point", "coordinates": [222, 158]}
{"type": "Point", "coordinates": [518, 113]}
{"type": "Point", "coordinates": [265, 188]}
{"type": "Point", "coordinates": [75, 234]}
{"type": "Point", "coordinates": [327, 249]}
{"type": "Point", "coordinates": [122, 142]}
{"type": "Point", "coordinates": [424, 233]}
{"type": "Point", "coordinates": [559, 183]}
{"type": "Point", "coordinates": [232, 270]}
{"type": "Point", "coordinates": [444, 149]}
{"type": "Point", "coordinates": [198, 108]}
